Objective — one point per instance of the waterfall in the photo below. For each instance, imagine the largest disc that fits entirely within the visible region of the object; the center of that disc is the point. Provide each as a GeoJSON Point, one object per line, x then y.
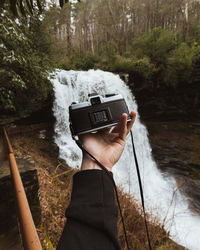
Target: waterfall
{"type": "Point", "coordinates": [162, 197]}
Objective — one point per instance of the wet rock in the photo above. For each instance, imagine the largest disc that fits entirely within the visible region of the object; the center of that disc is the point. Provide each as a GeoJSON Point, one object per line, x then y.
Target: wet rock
{"type": "Point", "coordinates": [124, 77]}
{"type": "Point", "coordinates": [186, 174]}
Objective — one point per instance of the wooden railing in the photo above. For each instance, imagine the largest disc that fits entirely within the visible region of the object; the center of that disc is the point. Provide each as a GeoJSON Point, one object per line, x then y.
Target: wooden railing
{"type": "Point", "coordinates": [28, 233]}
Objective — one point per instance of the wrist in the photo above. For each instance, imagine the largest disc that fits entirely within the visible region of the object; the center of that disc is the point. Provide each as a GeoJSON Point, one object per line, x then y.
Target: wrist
{"type": "Point", "coordinates": [89, 163]}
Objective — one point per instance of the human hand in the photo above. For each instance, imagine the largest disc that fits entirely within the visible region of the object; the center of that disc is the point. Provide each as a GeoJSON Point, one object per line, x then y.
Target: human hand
{"type": "Point", "coordinates": [106, 146]}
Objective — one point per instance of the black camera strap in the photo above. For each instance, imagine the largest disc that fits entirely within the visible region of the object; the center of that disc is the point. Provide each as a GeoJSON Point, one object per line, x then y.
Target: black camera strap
{"type": "Point", "coordinates": [141, 190]}
{"type": "Point", "coordinates": [115, 188]}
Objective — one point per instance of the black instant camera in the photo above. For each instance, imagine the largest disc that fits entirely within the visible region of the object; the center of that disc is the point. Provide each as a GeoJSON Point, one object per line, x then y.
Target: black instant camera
{"type": "Point", "coordinates": [97, 113]}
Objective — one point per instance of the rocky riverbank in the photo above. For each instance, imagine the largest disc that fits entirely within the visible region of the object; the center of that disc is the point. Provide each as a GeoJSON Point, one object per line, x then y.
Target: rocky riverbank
{"type": "Point", "coordinates": [176, 149]}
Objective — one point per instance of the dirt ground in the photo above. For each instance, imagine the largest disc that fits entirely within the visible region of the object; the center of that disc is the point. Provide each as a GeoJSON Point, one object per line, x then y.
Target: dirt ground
{"type": "Point", "coordinates": [55, 179]}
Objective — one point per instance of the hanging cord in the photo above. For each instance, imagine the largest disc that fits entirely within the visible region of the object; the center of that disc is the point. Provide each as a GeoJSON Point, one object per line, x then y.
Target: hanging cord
{"type": "Point", "coordinates": [141, 190]}
{"type": "Point", "coordinates": [115, 187]}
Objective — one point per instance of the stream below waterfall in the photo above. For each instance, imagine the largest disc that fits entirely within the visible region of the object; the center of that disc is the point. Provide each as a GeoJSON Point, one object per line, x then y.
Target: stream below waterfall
{"type": "Point", "coordinates": [162, 196]}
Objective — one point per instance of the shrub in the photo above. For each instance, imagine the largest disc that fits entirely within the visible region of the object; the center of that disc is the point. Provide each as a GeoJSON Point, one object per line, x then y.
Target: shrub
{"type": "Point", "coordinates": [179, 65]}
{"type": "Point", "coordinates": [141, 69]}
{"type": "Point", "coordinates": [122, 64]}
{"type": "Point", "coordinates": [65, 63]}
{"type": "Point", "coordinates": [156, 45]}
{"type": "Point", "coordinates": [85, 62]}
{"type": "Point", "coordinates": [24, 84]}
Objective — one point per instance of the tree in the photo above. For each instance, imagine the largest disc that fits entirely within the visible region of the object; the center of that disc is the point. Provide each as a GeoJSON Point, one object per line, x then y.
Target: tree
{"type": "Point", "coordinates": [24, 85]}
{"type": "Point", "coordinates": [24, 7]}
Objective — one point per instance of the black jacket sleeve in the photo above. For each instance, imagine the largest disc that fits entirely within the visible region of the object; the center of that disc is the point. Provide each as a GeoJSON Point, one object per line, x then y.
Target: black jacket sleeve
{"type": "Point", "coordinates": [91, 215]}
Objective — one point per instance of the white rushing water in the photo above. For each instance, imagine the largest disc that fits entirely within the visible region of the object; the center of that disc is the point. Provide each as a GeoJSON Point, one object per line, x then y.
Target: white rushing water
{"type": "Point", "coordinates": [162, 197]}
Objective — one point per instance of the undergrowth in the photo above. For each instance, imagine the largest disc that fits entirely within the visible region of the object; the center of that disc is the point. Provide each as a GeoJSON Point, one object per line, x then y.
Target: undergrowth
{"type": "Point", "coordinates": [55, 180]}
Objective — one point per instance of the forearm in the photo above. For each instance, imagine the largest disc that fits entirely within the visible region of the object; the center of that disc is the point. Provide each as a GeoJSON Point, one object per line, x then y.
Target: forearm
{"type": "Point", "coordinates": [92, 213]}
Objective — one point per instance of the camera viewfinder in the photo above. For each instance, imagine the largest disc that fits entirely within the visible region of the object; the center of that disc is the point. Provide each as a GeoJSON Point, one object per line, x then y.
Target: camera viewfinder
{"type": "Point", "coordinates": [95, 100]}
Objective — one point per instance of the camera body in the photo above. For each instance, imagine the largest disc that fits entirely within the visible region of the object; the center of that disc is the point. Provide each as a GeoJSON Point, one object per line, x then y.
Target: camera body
{"type": "Point", "coordinates": [97, 113]}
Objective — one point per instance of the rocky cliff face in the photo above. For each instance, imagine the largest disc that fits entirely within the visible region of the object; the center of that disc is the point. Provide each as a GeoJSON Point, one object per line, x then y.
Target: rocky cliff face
{"type": "Point", "coordinates": [175, 147]}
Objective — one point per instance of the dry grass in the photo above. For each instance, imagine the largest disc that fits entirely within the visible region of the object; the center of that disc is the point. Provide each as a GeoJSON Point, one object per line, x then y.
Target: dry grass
{"type": "Point", "coordinates": [54, 198]}
{"type": "Point", "coordinates": [55, 181]}
{"type": "Point", "coordinates": [135, 228]}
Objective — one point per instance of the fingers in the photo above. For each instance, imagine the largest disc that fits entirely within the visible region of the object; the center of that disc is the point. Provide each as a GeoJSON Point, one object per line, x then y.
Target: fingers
{"type": "Point", "coordinates": [123, 127]}
{"type": "Point", "coordinates": [130, 124]}
{"type": "Point", "coordinates": [105, 130]}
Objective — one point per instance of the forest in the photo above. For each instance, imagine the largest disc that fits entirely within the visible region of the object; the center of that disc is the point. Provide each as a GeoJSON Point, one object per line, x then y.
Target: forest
{"type": "Point", "coordinates": [154, 45]}
{"type": "Point", "coordinates": [155, 42]}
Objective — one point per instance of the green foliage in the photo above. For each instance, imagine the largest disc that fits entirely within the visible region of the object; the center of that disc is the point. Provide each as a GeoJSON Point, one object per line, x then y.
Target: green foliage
{"type": "Point", "coordinates": [140, 68]}
{"type": "Point", "coordinates": [122, 64]}
{"type": "Point", "coordinates": [156, 60]}
{"type": "Point", "coordinates": [40, 38]}
{"type": "Point", "coordinates": [65, 63]}
{"type": "Point", "coordinates": [194, 33]}
{"type": "Point", "coordinates": [85, 62]}
{"type": "Point", "coordinates": [108, 50]}
{"type": "Point", "coordinates": [112, 49]}
{"type": "Point", "coordinates": [173, 61]}
{"type": "Point", "coordinates": [196, 51]}
{"type": "Point", "coordinates": [24, 82]}
{"type": "Point", "coordinates": [48, 244]}
{"type": "Point", "coordinates": [179, 65]}
{"type": "Point", "coordinates": [156, 45]}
